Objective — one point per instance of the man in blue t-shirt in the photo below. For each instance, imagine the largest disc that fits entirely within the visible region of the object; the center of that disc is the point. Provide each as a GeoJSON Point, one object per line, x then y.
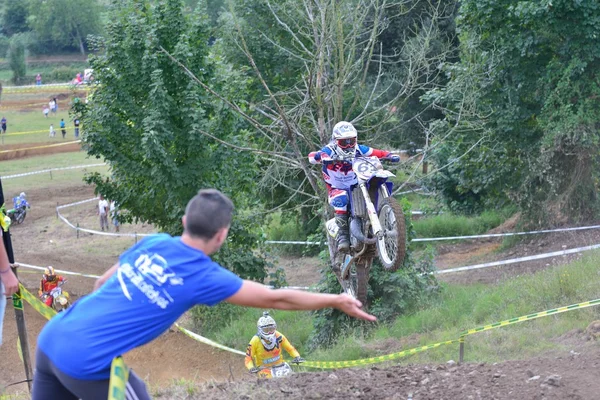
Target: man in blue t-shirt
{"type": "Point", "coordinates": [141, 296]}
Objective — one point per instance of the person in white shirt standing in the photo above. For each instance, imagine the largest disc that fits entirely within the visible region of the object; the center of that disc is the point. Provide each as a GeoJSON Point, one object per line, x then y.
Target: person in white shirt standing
{"type": "Point", "coordinates": [103, 213]}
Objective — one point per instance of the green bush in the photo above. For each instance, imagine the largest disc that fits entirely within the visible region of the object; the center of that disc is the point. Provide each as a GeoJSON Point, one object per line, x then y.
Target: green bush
{"type": "Point", "coordinates": [287, 228]}
{"type": "Point", "coordinates": [16, 58]}
{"type": "Point", "coordinates": [62, 74]}
{"type": "Point", "coordinates": [457, 225]}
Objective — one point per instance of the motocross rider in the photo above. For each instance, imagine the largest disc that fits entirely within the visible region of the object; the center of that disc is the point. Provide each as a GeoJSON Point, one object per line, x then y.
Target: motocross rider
{"type": "Point", "coordinates": [265, 348]}
{"type": "Point", "coordinates": [49, 281]}
{"type": "Point", "coordinates": [20, 201]}
{"type": "Point", "coordinates": [338, 174]}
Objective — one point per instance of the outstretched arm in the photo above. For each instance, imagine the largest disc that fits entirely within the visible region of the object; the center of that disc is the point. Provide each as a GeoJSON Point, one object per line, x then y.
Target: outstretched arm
{"type": "Point", "coordinates": [254, 294]}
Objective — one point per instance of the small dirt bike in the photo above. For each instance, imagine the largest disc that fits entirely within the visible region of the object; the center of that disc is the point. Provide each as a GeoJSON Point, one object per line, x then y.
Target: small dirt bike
{"type": "Point", "coordinates": [60, 298]}
{"type": "Point", "coordinates": [17, 215]}
{"type": "Point", "coordinates": [276, 371]}
{"type": "Point", "coordinates": [377, 227]}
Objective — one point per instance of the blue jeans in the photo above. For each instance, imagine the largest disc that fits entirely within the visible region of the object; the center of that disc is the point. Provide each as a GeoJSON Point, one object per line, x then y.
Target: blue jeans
{"type": "Point", "coordinates": [2, 307]}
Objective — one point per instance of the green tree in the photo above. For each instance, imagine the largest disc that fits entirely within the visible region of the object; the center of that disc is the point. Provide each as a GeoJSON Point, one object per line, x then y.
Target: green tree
{"type": "Point", "coordinates": [536, 112]}
{"type": "Point", "coordinates": [148, 121]}
{"type": "Point", "coordinates": [66, 23]}
{"type": "Point", "coordinates": [13, 17]}
{"type": "Point", "coordinates": [16, 58]}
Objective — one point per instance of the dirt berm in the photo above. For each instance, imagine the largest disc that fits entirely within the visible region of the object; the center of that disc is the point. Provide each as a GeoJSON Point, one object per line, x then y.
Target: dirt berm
{"type": "Point", "coordinates": [568, 375]}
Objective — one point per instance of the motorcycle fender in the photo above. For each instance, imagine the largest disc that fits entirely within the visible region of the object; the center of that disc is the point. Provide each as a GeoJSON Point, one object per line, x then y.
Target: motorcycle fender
{"type": "Point", "coordinates": [332, 228]}
{"type": "Point", "coordinates": [384, 174]}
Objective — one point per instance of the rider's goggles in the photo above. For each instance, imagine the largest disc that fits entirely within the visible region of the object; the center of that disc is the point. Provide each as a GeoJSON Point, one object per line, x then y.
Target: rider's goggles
{"type": "Point", "coordinates": [268, 330]}
{"type": "Point", "coordinates": [346, 143]}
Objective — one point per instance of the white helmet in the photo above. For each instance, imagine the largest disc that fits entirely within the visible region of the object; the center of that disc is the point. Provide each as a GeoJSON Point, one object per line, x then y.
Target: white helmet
{"type": "Point", "coordinates": [344, 137]}
{"type": "Point", "coordinates": [23, 195]}
{"type": "Point", "coordinates": [266, 330]}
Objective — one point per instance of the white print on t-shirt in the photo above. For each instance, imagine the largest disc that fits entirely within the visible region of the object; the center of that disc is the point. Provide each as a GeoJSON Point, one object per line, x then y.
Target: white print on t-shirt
{"type": "Point", "coordinates": [148, 275]}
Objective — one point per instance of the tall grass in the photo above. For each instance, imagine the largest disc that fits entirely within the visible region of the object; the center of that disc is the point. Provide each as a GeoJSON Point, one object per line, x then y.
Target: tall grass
{"type": "Point", "coordinates": [456, 225]}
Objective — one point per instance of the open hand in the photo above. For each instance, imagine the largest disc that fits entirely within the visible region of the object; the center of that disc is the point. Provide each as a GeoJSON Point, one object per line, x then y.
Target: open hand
{"type": "Point", "coordinates": [11, 284]}
{"type": "Point", "coordinates": [352, 307]}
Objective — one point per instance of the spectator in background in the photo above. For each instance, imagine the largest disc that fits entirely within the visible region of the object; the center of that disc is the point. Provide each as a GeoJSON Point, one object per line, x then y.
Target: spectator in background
{"type": "Point", "coordinates": [3, 124]}
{"type": "Point", "coordinates": [113, 215]}
{"type": "Point", "coordinates": [55, 105]}
{"type": "Point", "coordinates": [103, 213]}
{"type": "Point", "coordinates": [8, 281]}
{"type": "Point", "coordinates": [62, 128]}
{"type": "Point", "coordinates": [46, 111]}
{"type": "Point", "coordinates": [38, 79]}
{"type": "Point", "coordinates": [76, 123]}
{"type": "Point", "coordinates": [52, 132]}
{"type": "Point", "coordinates": [52, 105]}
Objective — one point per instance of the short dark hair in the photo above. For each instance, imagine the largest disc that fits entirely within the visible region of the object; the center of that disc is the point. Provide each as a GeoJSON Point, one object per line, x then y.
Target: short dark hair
{"type": "Point", "coordinates": [207, 212]}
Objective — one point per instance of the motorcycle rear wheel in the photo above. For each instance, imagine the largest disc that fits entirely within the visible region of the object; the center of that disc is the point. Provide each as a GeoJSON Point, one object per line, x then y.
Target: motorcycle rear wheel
{"type": "Point", "coordinates": [391, 247]}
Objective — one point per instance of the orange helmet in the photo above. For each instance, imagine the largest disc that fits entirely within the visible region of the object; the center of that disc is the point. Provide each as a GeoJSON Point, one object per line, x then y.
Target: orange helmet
{"type": "Point", "coordinates": [49, 274]}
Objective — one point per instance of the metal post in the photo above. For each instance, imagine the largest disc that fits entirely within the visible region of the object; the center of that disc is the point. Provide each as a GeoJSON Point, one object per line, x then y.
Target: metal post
{"type": "Point", "coordinates": [135, 234]}
{"type": "Point", "coordinates": [50, 174]}
{"type": "Point", "coordinates": [77, 230]}
{"type": "Point", "coordinates": [18, 306]}
{"type": "Point", "coordinates": [461, 355]}
{"type": "Point", "coordinates": [57, 210]}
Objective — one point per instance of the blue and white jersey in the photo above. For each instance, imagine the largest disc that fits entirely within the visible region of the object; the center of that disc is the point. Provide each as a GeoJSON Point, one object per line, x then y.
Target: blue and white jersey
{"type": "Point", "coordinates": [158, 279]}
{"type": "Point", "coordinates": [339, 174]}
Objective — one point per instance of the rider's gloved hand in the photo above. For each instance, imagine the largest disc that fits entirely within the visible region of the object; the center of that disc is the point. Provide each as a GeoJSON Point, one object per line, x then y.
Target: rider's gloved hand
{"type": "Point", "coordinates": [254, 370]}
{"type": "Point", "coordinates": [393, 158]}
{"type": "Point", "coordinates": [324, 157]}
{"type": "Point", "coordinates": [298, 360]}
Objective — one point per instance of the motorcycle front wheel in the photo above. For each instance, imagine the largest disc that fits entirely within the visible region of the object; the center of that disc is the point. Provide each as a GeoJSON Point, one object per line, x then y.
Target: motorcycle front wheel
{"type": "Point", "coordinates": [391, 246]}
{"type": "Point", "coordinates": [21, 217]}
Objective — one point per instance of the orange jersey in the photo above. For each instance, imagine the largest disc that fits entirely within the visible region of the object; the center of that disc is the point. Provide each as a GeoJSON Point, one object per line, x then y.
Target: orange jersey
{"type": "Point", "coordinates": [257, 355]}
{"type": "Point", "coordinates": [46, 286]}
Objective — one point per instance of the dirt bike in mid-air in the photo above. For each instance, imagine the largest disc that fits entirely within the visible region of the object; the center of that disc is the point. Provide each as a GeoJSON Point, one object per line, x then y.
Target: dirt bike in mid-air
{"type": "Point", "coordinates": [377, 228]}
{"type": "Point", "coordinates": [60, 298]}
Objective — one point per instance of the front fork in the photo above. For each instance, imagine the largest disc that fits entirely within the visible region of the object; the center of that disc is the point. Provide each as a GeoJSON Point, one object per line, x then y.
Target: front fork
{"type": "Point", "coordinates": [375, 224]}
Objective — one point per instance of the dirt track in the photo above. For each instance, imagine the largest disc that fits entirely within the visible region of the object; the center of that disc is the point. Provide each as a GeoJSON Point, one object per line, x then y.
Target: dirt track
{"type": "Point", "coordinates": [570, 375]}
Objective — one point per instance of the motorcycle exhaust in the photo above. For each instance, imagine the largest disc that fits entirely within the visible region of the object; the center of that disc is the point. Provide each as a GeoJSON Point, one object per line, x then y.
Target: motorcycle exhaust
{"type": "Point", "coordinates": [356, 231]}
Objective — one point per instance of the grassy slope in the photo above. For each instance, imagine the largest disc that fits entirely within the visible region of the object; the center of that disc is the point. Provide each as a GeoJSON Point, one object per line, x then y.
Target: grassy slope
{"type": "Point", "coordinates": [456, 309]}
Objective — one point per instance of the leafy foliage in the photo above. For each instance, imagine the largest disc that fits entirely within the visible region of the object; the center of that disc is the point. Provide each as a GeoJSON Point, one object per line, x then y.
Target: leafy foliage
{"type": "Point", "coordinates": [147, 120]}
{"type": "Point", "coordinates": [65, 22]}
{"type": "Point", "coordinates": [16, 58]}
{"type": "Point", "coordinates": [532, 112]}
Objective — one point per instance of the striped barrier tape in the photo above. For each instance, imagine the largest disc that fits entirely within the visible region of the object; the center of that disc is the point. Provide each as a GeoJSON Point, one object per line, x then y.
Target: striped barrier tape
{"type": "Point", "coordinates": [36, 267]}
{"type": "Point", "coordinates": [40, 147]}
{"type": "Point", "coordinates": [374, 360]}
{"type": "Point", "coordinates": [209, 342]}
{"type": "Point", "coordinates": [37, 305]}
{"type": "Point", "coordinates": [119, 375]}
{"type": "Point", "coordinates": [38, 131]}
{"type": "Point", "coordinates": [91, 231]}
{"type": "Point", "coordinates": [434, 239]}
{"type": "Point", "coordinates": [18, 264]}
{"type": "Point", "coordinates": [50, 170]}
{"type": "Point", "coordinates": [529, 317]}
{"type": "Point", "coordinates": [44, 88]}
